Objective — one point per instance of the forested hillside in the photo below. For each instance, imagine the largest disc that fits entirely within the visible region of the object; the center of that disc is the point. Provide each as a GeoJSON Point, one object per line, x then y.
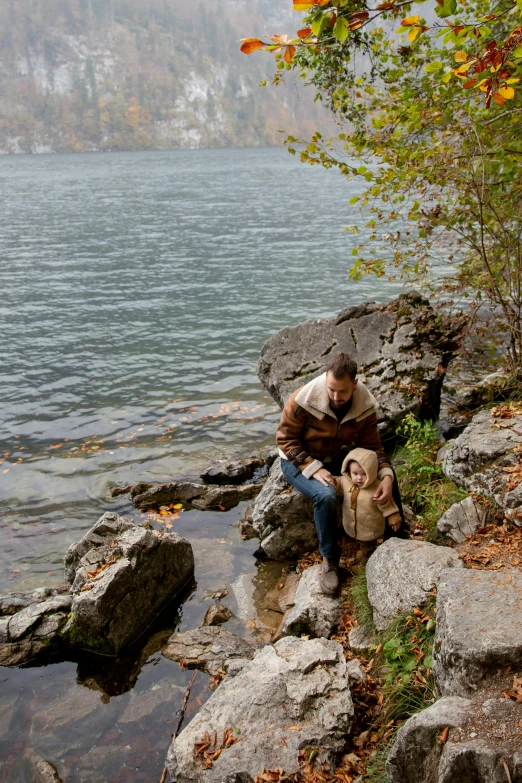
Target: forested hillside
{"type": "Point", "coordinates": [128, 74]}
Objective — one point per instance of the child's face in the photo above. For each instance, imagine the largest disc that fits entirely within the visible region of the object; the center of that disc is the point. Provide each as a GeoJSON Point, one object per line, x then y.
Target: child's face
{"type": "Point", "coordinates": [357, 474]}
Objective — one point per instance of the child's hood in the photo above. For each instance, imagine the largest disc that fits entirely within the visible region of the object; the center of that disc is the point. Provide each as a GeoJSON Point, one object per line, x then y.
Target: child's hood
{"type": "Point", "coordinates": [367, 460]}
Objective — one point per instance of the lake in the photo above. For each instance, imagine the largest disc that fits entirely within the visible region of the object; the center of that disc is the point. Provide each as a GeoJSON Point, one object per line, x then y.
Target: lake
{"type": "Point", "coordinates": [137, 291]}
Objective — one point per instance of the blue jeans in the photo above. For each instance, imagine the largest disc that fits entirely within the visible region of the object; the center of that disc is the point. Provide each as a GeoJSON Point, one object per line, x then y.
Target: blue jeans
{"type": "Point", "coordinates": [325, 508]}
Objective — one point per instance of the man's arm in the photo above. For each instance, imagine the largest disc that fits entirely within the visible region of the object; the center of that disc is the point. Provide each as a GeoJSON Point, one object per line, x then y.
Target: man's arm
{"type": "Point", "coordinates": [288, 438]}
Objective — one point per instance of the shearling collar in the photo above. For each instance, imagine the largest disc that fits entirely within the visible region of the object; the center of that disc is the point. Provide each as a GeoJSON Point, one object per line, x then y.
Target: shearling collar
{"type": "Point", "coordinates": [313, 397]}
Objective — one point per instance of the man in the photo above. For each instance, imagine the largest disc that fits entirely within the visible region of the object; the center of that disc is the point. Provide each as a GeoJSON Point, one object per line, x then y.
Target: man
{"type": "Point", "coordinates": [319, 421]}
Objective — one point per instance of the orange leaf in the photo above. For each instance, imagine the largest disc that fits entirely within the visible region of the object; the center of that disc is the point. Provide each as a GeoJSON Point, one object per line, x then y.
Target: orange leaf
{"type": "Point", "coordinates": [305, 32]}
{"type": "Point", "coordinates": [410, 20]}
{"type": "Point", "coordinates": [444, 736]}
{"type": "Point", "coordinates": [497, 97]}
{"type": "Point", "coordinates": [251, 45]}
{"type": "Point", "coordinates": [289, 53]}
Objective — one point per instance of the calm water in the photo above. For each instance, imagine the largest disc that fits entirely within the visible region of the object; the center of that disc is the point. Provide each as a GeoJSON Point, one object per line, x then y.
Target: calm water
{"type": "Point", "coordinates": [137, 291]}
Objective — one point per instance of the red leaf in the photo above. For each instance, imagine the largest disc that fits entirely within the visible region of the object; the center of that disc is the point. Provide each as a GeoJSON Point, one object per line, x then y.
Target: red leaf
{"type": "Point", "coordinates": [470, 83]}
{"type": "Point", "coordinates": [305, 32]}
{"type": "Point", "coordinates": [289, 53]}
{"type": "Point", "coordinates": [251, 44]}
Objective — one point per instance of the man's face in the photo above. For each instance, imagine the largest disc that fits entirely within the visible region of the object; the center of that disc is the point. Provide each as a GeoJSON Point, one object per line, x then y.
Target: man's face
{"type": "Point", "coordinates": [340, 390]}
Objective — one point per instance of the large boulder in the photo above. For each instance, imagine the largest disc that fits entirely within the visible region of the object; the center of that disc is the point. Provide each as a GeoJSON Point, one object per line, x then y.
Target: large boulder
{"type": "Point", "coordinates": [122, 574]}
{"type": "Point", "coordinates": [31, 623]}
{"type": "Point", "coordinates": [210, 648]}
{"type": "Point", "coordinates": [479, 628]}
{"type": "Point", "coordinates": [402, 349]}
{"type": "Point", "coordinates": [486, 457]}
{"type": "Point", "coordinates": [283, 519]}
{"type": "Point", "coordinates": [293, 695]}
{"type": "Point", "coordinates": [482, 737]}
{"type": "Point", "coordinates": [314, 613]}
{"type": "Point", "coordinates": [462, 519]}
{"type": "Point", "coordinates": [400, 575]}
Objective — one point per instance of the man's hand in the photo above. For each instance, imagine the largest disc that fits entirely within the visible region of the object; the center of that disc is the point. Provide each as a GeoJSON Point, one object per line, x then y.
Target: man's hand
{"type": "Point", "coordinates": [325, 477]}
{"type": "Point", "coordinates": [384, 491]}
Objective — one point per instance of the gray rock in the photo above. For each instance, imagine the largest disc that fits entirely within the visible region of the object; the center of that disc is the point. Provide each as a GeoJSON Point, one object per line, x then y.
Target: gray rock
{"type": "Point", "coordinates": [208, 648]}
{"type": "Point", "coordinates": [232, 471]}
{"type": "Point", "coordinates": [401, 573]}
{"type": "Point", "coordinates": [283, 518]}
{"type": "Point", "coordinates": [355, 671]}
{"type": "Point", "coordinates": [235, 665]}
{"type": "Point", "coordinates": [66, 713]}
{"type": "Point", "coordinates": [102, 762]}
{"type": "Point", "coordinates": [462, 519]}
{"type": "Point", "coordinates": [479, 627]}
{"type": "Point", "coordinates": [402, 349]}
{"type": "Point", "coordinates": [247, 529]}
{"type": "Point", "coordinates": [416, 753]}
{"type": "Point", "coordinates": [476, 458]}
{"type": "Point", "coordinates": [314, 612]}
{"type": "Point", "coordinates": [31, 624]}
{"type": "Point", "coordinates": [293, 695]}
{"type": "Point", "coordinates": [217, 615]}
{"type": "Point", "coordinates": [472, 762]}
{"type": "Point", "coordinates": [225, 498]}
{"type": "Point", "coordinates": [156, 495]}
{"type": "Point", "coordinates": [121, 580]}
{"type": "Point", "coordinates": [362, 638]}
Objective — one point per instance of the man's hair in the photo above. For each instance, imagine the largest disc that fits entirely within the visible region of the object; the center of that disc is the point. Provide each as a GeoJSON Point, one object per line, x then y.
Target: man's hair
{"type": "Point", "coordinates": [342, 365]}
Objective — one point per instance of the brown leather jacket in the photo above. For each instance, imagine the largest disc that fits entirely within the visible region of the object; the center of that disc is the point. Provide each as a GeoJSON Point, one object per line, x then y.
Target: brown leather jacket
{"type": "Point", "coordinates": [309, 433]}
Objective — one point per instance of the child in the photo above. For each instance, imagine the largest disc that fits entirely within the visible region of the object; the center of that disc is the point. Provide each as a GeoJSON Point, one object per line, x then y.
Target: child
{"type": "Point", "coordinates": [363, 519]}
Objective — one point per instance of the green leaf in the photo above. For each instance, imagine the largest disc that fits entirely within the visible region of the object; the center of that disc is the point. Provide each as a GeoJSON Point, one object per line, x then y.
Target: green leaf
{"type": "Point", "coordinates": [341, 29]}
{"type": "Point", "coordinates": [448, 9]}
{"type": "Point", "coordinates": [354, 199]}
{"type": "Point", "coordinates": [319, 24]}
{"type": "Point", "coordinates": [518, 52]}
{"type": "Point", "coordinates": [432, 67]}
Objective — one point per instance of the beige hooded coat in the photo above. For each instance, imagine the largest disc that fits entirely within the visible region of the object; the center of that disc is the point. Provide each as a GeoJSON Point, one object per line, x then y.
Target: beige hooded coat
{"type": "Point", "coordinates": [363, 519]}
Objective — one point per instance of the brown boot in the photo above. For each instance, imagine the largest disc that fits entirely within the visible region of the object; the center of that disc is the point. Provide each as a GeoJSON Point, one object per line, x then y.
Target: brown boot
{"type": "Point", "coordinates": [329, 577]}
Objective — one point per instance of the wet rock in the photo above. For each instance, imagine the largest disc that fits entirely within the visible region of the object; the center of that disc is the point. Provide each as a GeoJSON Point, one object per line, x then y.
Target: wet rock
{"type": "Point", "coordinates": [217, 615]}
{"type": "Point", "coordinates": [247, 529]}
{"type": "Point", "coordinates": [31, 624]}
{"type": "Point", "coordinates": [102, 762]}
{"type": "Point", "coordinates": [142, 705]}
{"type": "Point", "coordinates": [462, 519]}
{"type": "Point", "coordinates": [416, 753]}
{"type": "Point", "coordinates": [401, 348]}
{"type": "Point", "coordinates": [157, 495]}
{"type": "Point", "coordinates": [208, 648]}
{"type": "Point", "coordinates": [122, 575]}
{"type": "Point", "coordinates": [225, 498]}
{"type": "Point", "coordinates": [293, 695]}
{"type": "Point", "coordinates": [45, 772]}
{"type": "Point", "coordinates": [314, 613]}
{"type": "Point", "coordinates": [283, 518]}
{"type": "Point", "coordinates": [70, 721]}
{"type": "Point", "coordinates": [7, 710]}
{"type": "Point", "coordinates": [401, 573]}
{"type": "Point", "coordinates": [232, 471]}
{"type": "Point", "coordinates": [477, 458]}
{"type": "Point", "coordinates": [479, 628]}
{"type": "Point", "coordinates": [288, 592]}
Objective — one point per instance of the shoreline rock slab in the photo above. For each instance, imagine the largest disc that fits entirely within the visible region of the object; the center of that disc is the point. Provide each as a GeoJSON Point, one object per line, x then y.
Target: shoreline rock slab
{"type": "Point", "coordinates": [202, 496]}
{"type": "Point", "coordinates": [122, 574]}
{"type": "Point", "coordinates": [401, 573]}
{"type": "Point", "coordinates": [479, 628]}
{"type": "Point", "coordinates": [477, 459]}
{"type": "Point", "coordinates": [283, 519]}
{"type": "Point", "coordinates": [462, 519]}
{"type": "Point", "coordinates": [31, 624]}
{"type": "Point", "coordinates": [210, 648]}
{"type": "Point", "coordinates": [292, 695]}
{"type": "Point", "coordinates": [314, 613]}
{"type": "Point", "coordinates": [233, 471]}
{"type": "Point", "coordinates": [402, 349]}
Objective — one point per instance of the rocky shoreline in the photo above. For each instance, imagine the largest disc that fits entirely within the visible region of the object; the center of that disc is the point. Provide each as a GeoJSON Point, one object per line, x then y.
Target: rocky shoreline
{"type": "Point", "coordinates": [286, 708]}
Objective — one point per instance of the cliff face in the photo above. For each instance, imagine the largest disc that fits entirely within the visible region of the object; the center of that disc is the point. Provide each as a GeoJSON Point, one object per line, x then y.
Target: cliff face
{"type": "Point", "coordinates": [81, 75]}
